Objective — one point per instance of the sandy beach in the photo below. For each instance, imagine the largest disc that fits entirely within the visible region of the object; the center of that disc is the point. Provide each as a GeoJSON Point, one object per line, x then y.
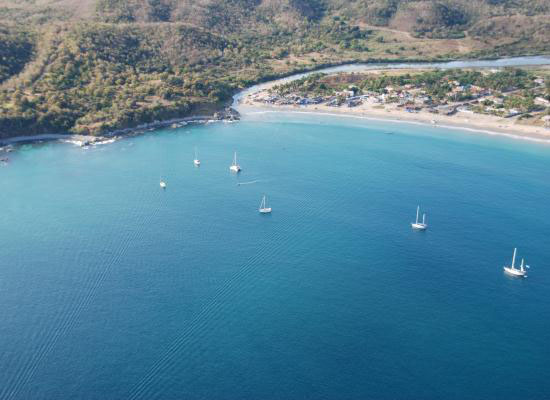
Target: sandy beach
{"type": "Point", "coordinates": [481, 123]}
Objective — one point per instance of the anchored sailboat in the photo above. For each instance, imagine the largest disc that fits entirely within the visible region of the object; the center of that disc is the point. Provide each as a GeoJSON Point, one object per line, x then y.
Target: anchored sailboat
{"type": "Point", "coordinates": [421, 226]}
{"type": "Point", "coordinates": [264, 209]}
{"type": "Point", "coordinates": [196, 160]}
{"type": "Point", "coordinates": [235, 167]}
{"type": "Point", "coordinates": [512, 270]}
{"type": "Point", "coordinates": [162, 184]}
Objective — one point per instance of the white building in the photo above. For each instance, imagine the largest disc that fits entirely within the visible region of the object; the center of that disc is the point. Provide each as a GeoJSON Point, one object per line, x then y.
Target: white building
{"type": "Point", "coordinates": [542, 101]}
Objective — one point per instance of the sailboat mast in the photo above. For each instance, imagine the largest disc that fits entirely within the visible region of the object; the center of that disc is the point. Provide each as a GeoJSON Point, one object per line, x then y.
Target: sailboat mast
{"type": "Point", "coordinates": [417, 211]}
{"type": "Point", "coordinates": [514, 258]}
{"type": "Point", "coordinates": [424, 218]}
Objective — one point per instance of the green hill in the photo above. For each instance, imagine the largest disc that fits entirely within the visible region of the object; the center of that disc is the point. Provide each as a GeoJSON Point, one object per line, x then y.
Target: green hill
{"type": "Point", "coordinates": [17, 48]}
{"type": "Point", "coordinates": [92, 66]}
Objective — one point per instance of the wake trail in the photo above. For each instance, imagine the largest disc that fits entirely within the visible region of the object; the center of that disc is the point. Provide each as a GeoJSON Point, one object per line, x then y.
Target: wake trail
{"type": "Point", "coordinates": [70, 317]}
{"type": "Point", "coordinates": [209, 308]}
{"type": "Point", "coordinates": [249, 183]}
{"type": "Point", "coordinates": [214, 307]}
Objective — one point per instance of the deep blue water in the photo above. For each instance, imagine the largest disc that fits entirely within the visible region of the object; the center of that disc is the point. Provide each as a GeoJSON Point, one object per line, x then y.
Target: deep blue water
{"type": "Point", "coordinates": [111, 288]}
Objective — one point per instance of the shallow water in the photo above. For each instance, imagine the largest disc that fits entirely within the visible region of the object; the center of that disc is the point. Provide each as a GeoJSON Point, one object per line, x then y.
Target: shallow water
{"type": "Point", "coordinates": [111, 288]}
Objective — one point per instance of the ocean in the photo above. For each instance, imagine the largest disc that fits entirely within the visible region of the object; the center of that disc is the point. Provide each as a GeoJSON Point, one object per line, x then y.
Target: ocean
{"type": "Point", "coordinates": [111, 288]}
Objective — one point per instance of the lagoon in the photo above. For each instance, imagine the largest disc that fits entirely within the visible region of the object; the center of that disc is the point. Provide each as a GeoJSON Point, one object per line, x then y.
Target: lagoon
{"type": "Point", "coordinates": [111, 288]}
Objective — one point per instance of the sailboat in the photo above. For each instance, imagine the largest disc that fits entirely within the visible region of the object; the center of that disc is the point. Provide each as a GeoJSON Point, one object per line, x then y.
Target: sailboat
{"type": "Point", "coordinates": [162, 184]}
{"type": "Point", "coordinates": [235, 167]}
{"type": "Point", "coordinates": [512, 270]}
{"type": "Point", "coordinates": [264, 209]}
{"type": "Point", "coordinates": [421, 226]}
{"type": "Point", "coordinates": [196, 160]}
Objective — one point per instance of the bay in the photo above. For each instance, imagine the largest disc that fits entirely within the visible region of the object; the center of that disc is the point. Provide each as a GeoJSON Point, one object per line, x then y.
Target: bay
{"type": "Point", "coordinates": [112, 288]}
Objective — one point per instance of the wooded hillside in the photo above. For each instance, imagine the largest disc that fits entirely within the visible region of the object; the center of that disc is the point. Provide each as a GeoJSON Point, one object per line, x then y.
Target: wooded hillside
{"type": "Point", "coordinates": [95, 65]}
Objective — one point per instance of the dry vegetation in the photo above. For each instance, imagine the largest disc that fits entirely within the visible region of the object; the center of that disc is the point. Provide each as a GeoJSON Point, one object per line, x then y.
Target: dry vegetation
{"type": "Point", "coordinates": [95, 65]}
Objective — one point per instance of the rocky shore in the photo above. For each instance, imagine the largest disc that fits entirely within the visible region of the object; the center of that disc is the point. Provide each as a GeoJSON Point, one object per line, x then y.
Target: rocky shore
{"type": "Point", "coordinates": [228, 114]}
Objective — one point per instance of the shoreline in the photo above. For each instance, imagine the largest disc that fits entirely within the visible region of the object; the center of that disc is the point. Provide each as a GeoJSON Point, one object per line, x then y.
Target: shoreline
{"type": "Point", "coordinates": [85, 140]}
{"type": "Point", "coordinates": [243, 100]}
{"type": "Point", "coordinates": [397, 120]}
{"type": "Point", "coordinates": [253, 101]}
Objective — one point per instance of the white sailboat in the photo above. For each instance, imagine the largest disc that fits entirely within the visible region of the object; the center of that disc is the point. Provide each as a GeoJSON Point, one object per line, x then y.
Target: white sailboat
{"type": "Point", "coordinates": [421, 226]}
{"type": "Point", "coordinates": [235, 167]}
{"type": "Point", "coordinates": [196, 160]}
{"type": "Point", "coordinates": [513, 271]}
{"type": "Point", "coordinates": [162, 184]}
{"type": "Point", "coordinates": [264, 209]}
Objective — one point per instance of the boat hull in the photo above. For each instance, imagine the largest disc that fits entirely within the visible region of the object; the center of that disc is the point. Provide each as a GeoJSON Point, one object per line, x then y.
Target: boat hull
{"type": "Point", "coordinates": [419, 226]}
{"type": "Point", "coordinates": [265, 210]}
{"type": "Point", "coordinates": [515, 272]}
{"type": "Point", "coordinates": [235, 168]}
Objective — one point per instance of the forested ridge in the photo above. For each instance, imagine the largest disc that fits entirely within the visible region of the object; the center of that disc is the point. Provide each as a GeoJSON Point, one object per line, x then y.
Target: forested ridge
{"type": "Point", "coordinates": [98, 65]}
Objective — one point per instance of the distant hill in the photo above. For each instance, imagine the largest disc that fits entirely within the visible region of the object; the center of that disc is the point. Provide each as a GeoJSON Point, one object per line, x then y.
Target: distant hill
{"type": "Point", "coordinates": [90, 66]}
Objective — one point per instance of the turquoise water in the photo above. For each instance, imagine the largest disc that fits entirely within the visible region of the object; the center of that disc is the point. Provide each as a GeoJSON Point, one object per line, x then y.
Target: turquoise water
{"type": "Point", "coordinates": [111, 288]}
